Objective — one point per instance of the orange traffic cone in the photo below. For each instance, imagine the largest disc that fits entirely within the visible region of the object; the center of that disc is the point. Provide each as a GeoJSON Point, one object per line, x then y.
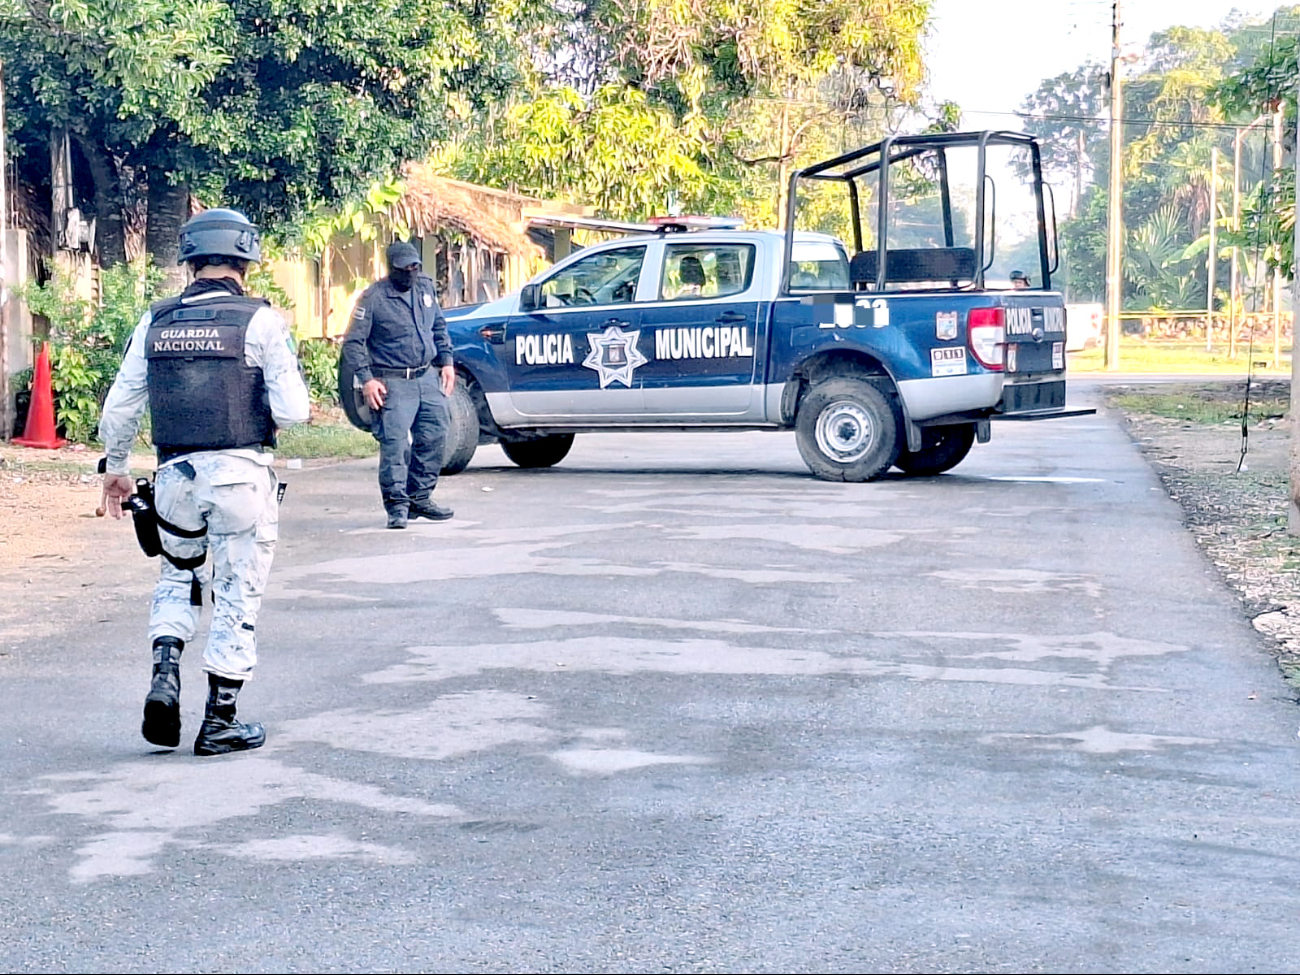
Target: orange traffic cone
{"type": "Point", "coordinates": [39, 431]}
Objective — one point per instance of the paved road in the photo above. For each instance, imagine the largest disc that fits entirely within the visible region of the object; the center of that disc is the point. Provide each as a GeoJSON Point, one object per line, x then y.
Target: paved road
{"type": "Point", "coordinates": [676, 706]}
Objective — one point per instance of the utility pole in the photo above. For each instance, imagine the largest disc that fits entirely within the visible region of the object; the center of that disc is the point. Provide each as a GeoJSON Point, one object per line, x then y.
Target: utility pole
{"type": "Point", "coordinates": [1078, 172]}
{"type": "Point", "coordinates": [6, 296]}
{"type": "Point", "coordinates": [1293, 509]}
{"type": "Point", "coordinates": [1115, 215]}
{"type": "Point", "coordinates": [1234, 286]}
{"type": "Point", "coordinates": [1209, 258]}
{"type": "Point", "coordinates": [1277, 273]}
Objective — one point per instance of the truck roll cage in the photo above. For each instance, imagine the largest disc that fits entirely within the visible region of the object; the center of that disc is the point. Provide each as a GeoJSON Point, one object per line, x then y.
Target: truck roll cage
{"type": "Point", "coordinates": [950, 266]}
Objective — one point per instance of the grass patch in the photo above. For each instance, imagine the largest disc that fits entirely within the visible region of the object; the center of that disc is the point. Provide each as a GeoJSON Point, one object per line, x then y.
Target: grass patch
{"type": "Point", "coordinates": [1169, 355]}
{"type": "Point", "coordinates": [17, 460]}
{"type": "Point", "coordinates": [1200, 406]}
{"type": "Point", "coordinates": [326, 439]}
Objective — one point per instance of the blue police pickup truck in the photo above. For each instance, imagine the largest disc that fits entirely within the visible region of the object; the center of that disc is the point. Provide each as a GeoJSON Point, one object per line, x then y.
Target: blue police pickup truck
{"type": "Point", "coordinates": [889, 352]}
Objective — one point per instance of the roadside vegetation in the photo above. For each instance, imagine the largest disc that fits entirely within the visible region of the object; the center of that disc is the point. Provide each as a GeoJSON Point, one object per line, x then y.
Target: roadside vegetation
{"type": "Point", "coordinates": [1219, 404]}
{"type": "Point", "coordinates": [328, 435]}
{"type": "Point", "coordinates": [1156, 356]}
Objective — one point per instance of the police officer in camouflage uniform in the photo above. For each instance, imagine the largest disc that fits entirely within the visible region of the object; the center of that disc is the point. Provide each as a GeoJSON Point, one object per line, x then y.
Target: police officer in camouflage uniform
{"type": "Point", "coordinates": [398, 347]}
{"type": "Point", "coordinates": [219, 373]}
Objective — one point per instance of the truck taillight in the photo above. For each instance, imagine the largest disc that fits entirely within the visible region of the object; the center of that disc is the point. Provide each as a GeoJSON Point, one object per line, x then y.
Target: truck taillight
{"type": "Point", "coordinates": [987, 336]}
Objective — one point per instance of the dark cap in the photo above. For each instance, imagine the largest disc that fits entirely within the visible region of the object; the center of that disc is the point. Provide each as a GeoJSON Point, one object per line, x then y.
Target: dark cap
{"type": "Point", "coordinates": [1019, 276]}
{"type": "Point", "coordinates": [402, 254]}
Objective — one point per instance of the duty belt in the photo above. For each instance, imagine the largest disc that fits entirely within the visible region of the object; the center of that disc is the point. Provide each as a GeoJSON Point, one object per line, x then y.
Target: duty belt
{"type": "Point", "coordinates": [414, 373]}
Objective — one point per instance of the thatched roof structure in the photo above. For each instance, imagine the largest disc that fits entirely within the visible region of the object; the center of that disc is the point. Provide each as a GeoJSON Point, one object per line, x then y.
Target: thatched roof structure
{"type": "Point", "coordinates": [489, 217]}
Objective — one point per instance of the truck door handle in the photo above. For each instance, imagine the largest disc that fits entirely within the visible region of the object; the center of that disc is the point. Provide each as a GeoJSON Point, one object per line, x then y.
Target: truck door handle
{"type": "Point", "coordinates": [496, 334]}
{"type": "Point", "coordinates": [617, 323]}
{"type": "Point", "coordinates": [732, 318]}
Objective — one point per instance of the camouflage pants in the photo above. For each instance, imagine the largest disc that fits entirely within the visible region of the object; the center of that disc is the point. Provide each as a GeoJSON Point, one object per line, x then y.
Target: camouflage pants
{"type": "Point", "coordinates": [235, 499]}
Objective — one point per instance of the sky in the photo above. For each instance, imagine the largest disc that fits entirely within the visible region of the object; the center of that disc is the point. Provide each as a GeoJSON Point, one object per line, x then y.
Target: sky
{"type": "Point", "coordinates": [1018, 43]}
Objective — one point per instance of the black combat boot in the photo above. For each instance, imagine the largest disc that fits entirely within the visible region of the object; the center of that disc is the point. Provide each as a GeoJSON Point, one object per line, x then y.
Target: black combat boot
{"type": "Point", "coordinates": [162, 708]}
{"type": "Point", "coordinates": [220, 732]}
{"type": "Point", "coordinates": [425, 508]}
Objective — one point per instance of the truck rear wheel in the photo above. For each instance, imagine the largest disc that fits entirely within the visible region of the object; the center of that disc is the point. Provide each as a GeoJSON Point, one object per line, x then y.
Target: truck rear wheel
{"type": "Point", "coordinates": [847, 430]}
{"type": "Point", "coordinates": [462, 429]}
{"type": "Point", "coordinates": [539, 452]}
{"type": "Point", "coordinates": [942, 449]}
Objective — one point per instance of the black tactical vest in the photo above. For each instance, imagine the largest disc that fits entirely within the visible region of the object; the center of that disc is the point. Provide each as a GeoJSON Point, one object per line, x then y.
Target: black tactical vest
{"type": "Point", "coordinates": [202, 395]}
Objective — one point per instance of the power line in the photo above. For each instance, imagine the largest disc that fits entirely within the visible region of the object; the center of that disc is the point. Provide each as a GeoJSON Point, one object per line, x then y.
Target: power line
{"type": "Point", "coordinates": [1098, 119]}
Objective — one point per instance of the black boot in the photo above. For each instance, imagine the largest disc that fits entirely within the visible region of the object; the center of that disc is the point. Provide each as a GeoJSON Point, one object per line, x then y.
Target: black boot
{"type": "Point", "coordinates": [162, 708]}
{"type": "Point", "coordinates": [220, 732]}
{"type": "Point", "coordinates": [427, 509]}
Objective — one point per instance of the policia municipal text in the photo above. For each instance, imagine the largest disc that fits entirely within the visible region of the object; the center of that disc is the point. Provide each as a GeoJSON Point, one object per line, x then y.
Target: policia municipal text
{"type": "Point", "coordinates": [219, 374]}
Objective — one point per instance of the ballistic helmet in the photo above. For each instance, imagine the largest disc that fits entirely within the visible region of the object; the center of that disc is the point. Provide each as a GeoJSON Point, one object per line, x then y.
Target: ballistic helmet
{"type": "Point", "coordinates": [219, 233]}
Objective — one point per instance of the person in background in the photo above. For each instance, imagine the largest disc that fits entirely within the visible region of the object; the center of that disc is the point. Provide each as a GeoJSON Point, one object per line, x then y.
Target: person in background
{"type": "Point", "coordinates": [397, 346]}
{"type": "Point", "coordinates": [691, 272]}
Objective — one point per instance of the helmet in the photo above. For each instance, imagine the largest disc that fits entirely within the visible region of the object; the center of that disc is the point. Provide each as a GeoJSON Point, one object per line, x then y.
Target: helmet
{"type": "Point", "coordinates": [219, 233]}
{"type": "Point", "coordinates": [1019, 276]}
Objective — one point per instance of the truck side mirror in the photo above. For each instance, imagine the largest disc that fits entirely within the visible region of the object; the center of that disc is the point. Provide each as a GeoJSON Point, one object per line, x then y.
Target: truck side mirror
{"type": "Point", "coordinates": [530, 297]}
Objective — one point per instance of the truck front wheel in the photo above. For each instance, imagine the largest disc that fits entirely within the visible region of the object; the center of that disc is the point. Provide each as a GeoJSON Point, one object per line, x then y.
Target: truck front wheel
{"type": "Point", "coordinates": [942, 449]}
{"type": "Point", "coordinates": [847, 430]}
{"type": "Point", "coordinates": [540, 451]}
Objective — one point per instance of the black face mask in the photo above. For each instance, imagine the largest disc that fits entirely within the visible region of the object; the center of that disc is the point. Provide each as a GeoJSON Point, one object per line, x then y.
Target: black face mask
{"type": "Point", "coordinates": [403, 278]}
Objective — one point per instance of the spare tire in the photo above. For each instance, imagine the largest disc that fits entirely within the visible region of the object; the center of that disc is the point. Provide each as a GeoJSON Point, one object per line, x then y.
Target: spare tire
{"type": "Point", "coordinates": [352, 399]}
{"type": "Point", "coordinates": [942, 449]}
{"type": "Point", "coordinates": [540, 451]}
{"type": "Point", "coordinates": [462, 429]}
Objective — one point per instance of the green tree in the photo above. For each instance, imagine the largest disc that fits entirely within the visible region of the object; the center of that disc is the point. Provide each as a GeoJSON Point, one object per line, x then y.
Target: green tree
{"type": "Point", "coordinates": [1157, 263]}
{"type": "Point", "coordinates": [1174, 123]}
{"type": "Point", "coordinates": [732, 93]}
{"type": "Point", "coordinates": [1063, 113]}
{"type": "Point", "coordinates": [615, 151]}
{"type": "Point", "coordinates": [277, 107]}
{"type": "Point", "coordinates": [109, 75]}
{"type": "Point", "coordinates": [1268, 216]}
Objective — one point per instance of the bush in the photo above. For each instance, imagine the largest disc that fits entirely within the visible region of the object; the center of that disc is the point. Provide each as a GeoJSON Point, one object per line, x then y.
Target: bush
{"type": "Point", "coordinates": [87, 342]}
{"type": "Point", "coordinates": [320, 367]}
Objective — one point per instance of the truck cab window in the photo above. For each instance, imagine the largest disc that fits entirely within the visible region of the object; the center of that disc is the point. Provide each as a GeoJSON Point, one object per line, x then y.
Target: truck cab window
{"type": "Point", "coordinates": [607, 278]}
{"type": "Point", "coordinates": [693, 271]}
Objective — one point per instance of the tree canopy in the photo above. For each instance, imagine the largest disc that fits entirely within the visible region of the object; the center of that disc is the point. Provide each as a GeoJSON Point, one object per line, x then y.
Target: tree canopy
{"type": "Point", "coordinates": [721, 96]}
{"type": "Point", "coordinates": [1187, 94]}
{"type": "Point", "coordinates": [288, 108]}
{"type": "Point", "coordinates": [273, 106]}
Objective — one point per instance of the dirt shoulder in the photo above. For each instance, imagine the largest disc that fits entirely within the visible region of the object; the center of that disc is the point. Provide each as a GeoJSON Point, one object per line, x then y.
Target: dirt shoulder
{"type": "Point", "coordinates": [1234, 503]}
{"type": "Point", "coordinates": [43, 497]}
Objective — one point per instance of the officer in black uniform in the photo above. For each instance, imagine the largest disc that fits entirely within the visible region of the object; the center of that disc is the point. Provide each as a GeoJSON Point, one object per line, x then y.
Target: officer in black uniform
{"type": "Point", "coordinates": [398, 347]}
